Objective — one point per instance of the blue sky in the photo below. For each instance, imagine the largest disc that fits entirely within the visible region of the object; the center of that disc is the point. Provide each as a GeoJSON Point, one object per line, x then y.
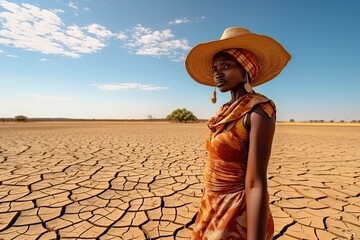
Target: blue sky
{"type": "Point", "coordinates": [124, 59]}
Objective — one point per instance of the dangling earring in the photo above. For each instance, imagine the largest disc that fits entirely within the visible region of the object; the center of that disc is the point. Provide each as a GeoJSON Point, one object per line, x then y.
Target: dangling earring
{"type": "Point", "coordinates": [213, 97]}
{"type": "Point", "coordinates": [247, 85]}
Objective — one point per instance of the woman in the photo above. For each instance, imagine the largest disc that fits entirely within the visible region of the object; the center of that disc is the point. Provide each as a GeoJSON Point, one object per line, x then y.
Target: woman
{"type": "Point", "coordinates": [235, 204]}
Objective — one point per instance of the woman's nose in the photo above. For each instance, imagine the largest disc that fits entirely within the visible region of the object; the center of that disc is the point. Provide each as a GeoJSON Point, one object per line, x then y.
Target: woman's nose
{"type": "Point", "coordinates": [219, 73]}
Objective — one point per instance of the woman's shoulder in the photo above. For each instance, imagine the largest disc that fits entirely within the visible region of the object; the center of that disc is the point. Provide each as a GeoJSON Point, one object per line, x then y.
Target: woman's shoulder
{"type": "Point", "coordinates": [258, 100]}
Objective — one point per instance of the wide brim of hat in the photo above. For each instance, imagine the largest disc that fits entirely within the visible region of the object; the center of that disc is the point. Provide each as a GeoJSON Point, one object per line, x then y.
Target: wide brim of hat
{"type": "Point", "coordinates": [270, 55]}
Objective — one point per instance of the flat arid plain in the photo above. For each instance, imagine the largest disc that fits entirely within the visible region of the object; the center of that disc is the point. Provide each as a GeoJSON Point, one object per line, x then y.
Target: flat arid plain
{"type": "Point", "coordinates": [143, 180]}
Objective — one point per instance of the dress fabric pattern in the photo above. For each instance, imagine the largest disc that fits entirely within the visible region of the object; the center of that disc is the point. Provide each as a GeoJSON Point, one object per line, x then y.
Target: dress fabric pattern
{"type": "Point", "coordinates": [222, 213]}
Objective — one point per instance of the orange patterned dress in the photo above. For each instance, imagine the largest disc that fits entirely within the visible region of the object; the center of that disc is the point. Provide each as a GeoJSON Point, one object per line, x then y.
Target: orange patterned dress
{"type": "Point", "coordinates": [222, 214]}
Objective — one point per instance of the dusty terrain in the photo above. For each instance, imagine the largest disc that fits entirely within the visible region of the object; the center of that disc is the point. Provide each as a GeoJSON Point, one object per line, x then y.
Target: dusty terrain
{"type": "Point", "coordinates": [117, 180]}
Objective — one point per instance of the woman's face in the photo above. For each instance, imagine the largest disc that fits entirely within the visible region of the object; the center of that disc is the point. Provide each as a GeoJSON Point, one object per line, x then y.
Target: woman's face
{"type": "Point", "coordinates": [228, 72]}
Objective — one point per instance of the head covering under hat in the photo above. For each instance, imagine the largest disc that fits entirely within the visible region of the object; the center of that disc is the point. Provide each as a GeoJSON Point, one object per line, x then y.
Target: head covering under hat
{"type": "Point", "coordinates": [270, 55]}
{"type": "Point", "coordinates": [246, 59]}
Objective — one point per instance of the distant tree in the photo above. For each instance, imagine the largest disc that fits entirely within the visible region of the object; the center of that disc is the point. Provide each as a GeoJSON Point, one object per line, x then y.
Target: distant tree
{"type": "Point", "coordinates": [181, 115]}
{"type": "Point", "coordinates": [21, 118]}
{"type": "Point", "coordinates": [292, 120]}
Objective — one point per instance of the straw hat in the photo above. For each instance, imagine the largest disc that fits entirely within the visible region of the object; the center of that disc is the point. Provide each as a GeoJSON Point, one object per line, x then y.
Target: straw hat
{"type": "Point", "coordinates": [270, 55]}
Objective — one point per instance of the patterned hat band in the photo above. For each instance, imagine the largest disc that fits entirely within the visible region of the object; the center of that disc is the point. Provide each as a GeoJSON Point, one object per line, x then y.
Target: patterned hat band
{"type": "Point", "coordinates": [246, 59]}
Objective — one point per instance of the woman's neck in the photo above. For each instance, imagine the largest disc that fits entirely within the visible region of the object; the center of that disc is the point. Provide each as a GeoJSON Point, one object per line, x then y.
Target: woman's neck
{"type": "Point", "coordinates": [238, 93]}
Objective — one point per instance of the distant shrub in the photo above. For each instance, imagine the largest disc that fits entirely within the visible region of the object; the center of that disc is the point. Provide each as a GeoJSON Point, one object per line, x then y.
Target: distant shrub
{"type": "Point", "coordinates": [292, 120]}
{"type": "Point", "coordinates": [181, 115]}
{"type": "Point", "coordinates": [317, 121]}
{"type": "Point", "coordinates": [21, 118]}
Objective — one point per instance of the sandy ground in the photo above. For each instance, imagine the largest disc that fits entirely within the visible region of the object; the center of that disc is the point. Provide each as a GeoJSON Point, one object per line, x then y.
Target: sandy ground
{"type": "Point", "coordinates": [91, 180]}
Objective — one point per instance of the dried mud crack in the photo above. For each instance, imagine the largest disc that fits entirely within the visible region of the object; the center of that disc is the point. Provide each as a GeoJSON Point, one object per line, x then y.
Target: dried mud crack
{"type": "Point", "coordinates": [103, 180]}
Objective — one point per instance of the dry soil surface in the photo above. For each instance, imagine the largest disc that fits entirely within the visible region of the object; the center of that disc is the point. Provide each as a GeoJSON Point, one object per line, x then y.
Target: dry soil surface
{"type": "Point", "coordinates": [131, 180]}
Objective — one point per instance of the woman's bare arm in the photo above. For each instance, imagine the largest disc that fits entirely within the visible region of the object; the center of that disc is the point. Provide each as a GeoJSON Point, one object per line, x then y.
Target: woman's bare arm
{"type": "Point", "coordinates": [262, 129]}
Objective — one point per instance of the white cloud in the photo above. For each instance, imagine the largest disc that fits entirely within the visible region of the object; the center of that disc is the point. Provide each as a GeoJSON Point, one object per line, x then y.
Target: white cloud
{"type": "Point", "coordinates": [199, 19]}
{"type": "Point", "coordinates": [99, 31]}
{"type": "Point", "coordinates": [179, 21]}
{"type": "Point", "coordinates": [127, 86]}
{"type": "Point", "coordinates": [72, 5]}
{"type": "Point", "coordinates": [144, 41]}
{"type": "Point", "coordinates": [50, 98]}
{"type": "Point", "coordinates": [121, 36]}
{"type": "Point", "coordinates": [31, 28]}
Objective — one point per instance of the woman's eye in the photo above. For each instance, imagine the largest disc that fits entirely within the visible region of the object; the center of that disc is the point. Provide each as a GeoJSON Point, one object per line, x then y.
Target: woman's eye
{"type": "Point", "coordinates": [226, 66]}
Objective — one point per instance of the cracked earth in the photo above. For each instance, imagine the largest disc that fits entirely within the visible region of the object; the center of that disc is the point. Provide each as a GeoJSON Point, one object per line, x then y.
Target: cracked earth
{"type": "Point", "coordinates": [103, 180]}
